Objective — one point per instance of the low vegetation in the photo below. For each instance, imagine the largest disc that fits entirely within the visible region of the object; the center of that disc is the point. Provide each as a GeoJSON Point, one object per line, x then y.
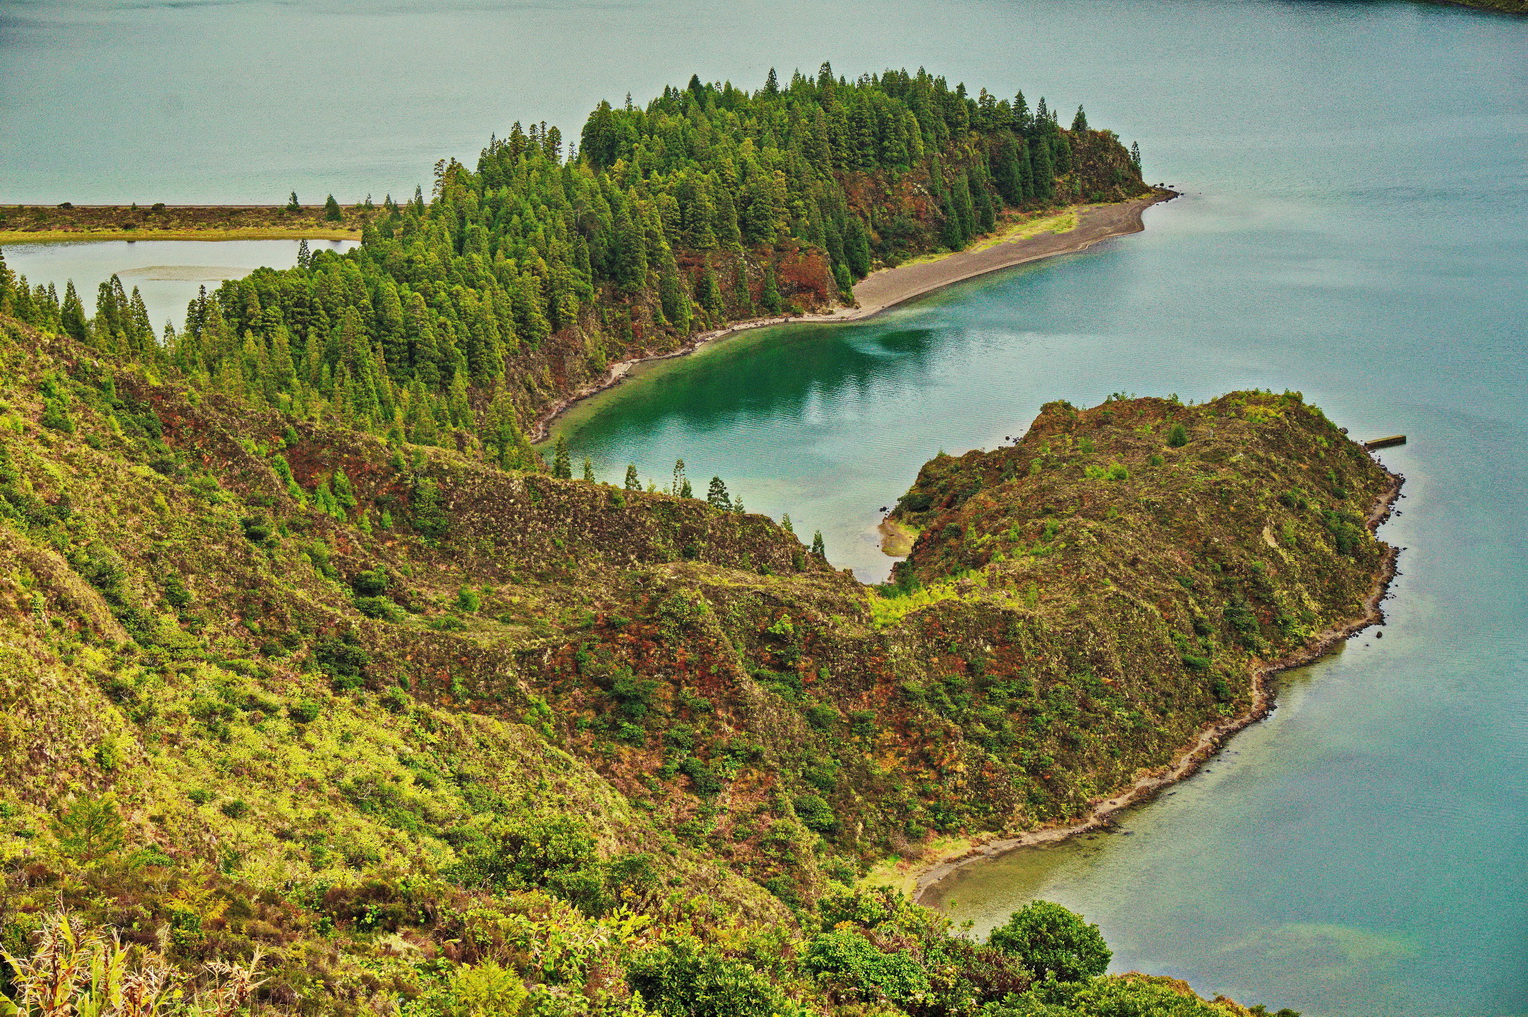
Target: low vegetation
{"type": "Point", "coordinates": [158, 221]}
{"type": "Point", "coordinates": [387, 728]}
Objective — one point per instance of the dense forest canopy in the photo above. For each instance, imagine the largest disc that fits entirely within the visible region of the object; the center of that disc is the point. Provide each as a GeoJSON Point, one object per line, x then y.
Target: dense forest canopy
{"type": "Point", "coordinates": [470, 312]}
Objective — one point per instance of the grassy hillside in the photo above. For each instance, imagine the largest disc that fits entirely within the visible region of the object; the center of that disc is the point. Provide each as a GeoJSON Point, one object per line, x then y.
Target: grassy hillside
{"type": "Point", "coordinates": [427, 733]}
{"type": "Point", "coordinates": [32, 223]}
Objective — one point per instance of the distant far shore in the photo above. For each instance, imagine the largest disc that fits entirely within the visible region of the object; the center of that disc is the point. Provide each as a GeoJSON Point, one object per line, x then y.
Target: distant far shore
{"type": "Point", "coordinates": [888, 287]}
{"type": "Point", "coordinates": [30, 224]}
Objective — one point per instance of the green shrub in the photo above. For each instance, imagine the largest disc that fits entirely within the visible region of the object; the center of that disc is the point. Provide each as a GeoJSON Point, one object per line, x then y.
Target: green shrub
{"type": "Point", "coordinates": [1346, 531]}
{"type": "Point", "coordinates": [379, 607]}
{"type": "Point", "coordinates": [1127, 996]}
{"type": "Point", "coordinates": [305, 712]}
{"type": "Point", "coordinates": [679, 978]}
{"type": "Point", "coordinates": [89, 828]}
{"type": "Point", "coordinates": [555, 853]}
{"type": "Point", "coordinates": [473, 990]}
{"type": "Point", "coordinates": [370, 582]}
{"type": "Point", "coordinates": [815, 814]}
{"type": "Point", "coordinates": [55, 415]}
{"type": "Point", "coordinates": [176, 594]}
{"type": "Point", "coordinates": [1177, 436]}
{"type": "Point", "coordinates": [849, 960]}
{"type": "Point", "coordinates": [1243, 621]}
{"type": "Point", "coordinates": [1050, 940]}
{"type": "Point", "coordinates": [704, 781]}
{"type": "Point", "coordinates": [343, 660]}
{"type": "Point", "coordinates": [257, 529]}
{"type": "Point", "coordinates": [821, 716]}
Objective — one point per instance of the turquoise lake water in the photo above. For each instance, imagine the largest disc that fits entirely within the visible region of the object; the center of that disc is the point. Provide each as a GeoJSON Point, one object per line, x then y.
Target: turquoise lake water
{"type": "Point", "coordinates": [1355, 226]}
{"type": "Point", "coordinates": [167, 273]}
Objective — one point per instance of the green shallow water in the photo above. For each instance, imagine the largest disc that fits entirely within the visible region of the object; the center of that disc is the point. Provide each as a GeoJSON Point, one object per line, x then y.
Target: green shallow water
{"type": "Point", "coordinates": [1355, 227]}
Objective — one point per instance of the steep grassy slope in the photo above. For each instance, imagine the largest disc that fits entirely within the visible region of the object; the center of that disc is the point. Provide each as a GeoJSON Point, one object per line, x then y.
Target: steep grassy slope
{"type": "Point", "coordinates": [381, 710]}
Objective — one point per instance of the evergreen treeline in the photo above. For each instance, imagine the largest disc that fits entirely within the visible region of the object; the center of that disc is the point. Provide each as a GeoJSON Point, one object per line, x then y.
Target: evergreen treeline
{"type": "Point", "coordinates": [470, 312]}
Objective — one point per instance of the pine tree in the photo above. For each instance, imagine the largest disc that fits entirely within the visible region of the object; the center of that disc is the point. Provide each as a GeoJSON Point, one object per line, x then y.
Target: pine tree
{"type": "Point", "coordinates": [562, 465]}
{"type": "Point", "coordinates": [344, 493]}
{"type": "Point", "coordinates": [769, 297]}
{"type": "Point", "coordinates": [292, 204]}
{"type": "Point", "coordinates": [716, 495]}
{"type": "Point", "coordinates": [633, 483]}
{"type": "Point", "coordinates": [785, 523]}
{"type": "Point", "coordinates": [679, 479]}
{"type": "Point", "coordinates": [304, 256]}
{"type": "Point", "coordinates": [588, 471]}
{"type": "Point", "coordinates": [818, 548]}
{"type": "Point", "coordinates": [332, 211]}
{"type": "Point", "coordinates": [73, 314]}
{"type": "Point", "coordinates": [1080, 124]}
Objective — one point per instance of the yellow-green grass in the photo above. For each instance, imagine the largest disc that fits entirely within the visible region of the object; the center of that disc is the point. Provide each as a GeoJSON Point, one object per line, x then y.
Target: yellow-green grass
{"type": "Point", "coordinates": [1025, 228]}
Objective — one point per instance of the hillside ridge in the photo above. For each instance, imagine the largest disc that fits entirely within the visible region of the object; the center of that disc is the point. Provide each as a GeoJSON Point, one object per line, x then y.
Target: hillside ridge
{"type": "Point", "coordinates": [369, 706]}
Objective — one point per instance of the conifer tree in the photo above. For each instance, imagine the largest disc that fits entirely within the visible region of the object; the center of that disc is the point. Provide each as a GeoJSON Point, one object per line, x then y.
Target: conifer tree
{"type": "Point", "coordinates": [562, 465]}
{"type": "Point", "coordinates": [292, 204]}
{"type": "Point", "coordinates": [633, 483]}
{"type": "Point", "coordinates": [818, 548]}
{"type": "Point", "coordinates": [769, 297]}
{"type": "Point", "coordinates": [72, 314]}
{"type": "Point", "coordinates": [679, 479]}
{"type": "Point", "coordinates": [716, 495]}
{"type": "Point", "coordinates": [344, 493]}
{"type": "Point", "coordinates": [332, 211]}
{"type": "Point", "coordinates": [588, 471]}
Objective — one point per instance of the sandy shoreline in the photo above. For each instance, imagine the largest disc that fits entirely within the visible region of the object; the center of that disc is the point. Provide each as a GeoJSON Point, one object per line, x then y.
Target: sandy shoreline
{"type": "Point", "coordinates": [889, 287]}
{"type": "Point", "coordinates": [1205, 746]}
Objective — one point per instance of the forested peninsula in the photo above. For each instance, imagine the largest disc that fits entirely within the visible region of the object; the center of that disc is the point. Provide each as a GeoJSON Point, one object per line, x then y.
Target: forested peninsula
{"type": "Point", "coordinates": [464, 316]}
{"type": "Point", "coordinates": [320, 693]}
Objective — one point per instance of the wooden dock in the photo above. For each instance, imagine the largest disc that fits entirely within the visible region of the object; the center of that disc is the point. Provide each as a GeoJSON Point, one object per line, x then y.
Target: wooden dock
{"type": "Point", "coordinates": [1388, 441]}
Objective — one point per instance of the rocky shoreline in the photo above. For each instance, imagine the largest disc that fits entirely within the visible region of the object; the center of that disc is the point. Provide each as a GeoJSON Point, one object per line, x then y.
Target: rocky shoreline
{"type": "Point", "coordinates": [1205, 746]}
